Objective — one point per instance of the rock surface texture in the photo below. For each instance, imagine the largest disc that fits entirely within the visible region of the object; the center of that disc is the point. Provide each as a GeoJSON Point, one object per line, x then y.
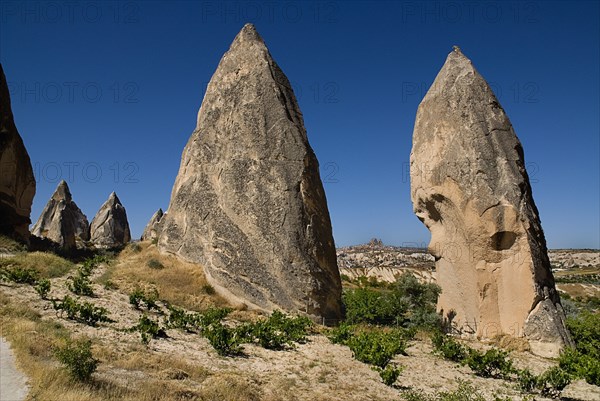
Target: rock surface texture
{"type": "Point", "coordinates": [17, 183]}
{"type": "Point", "coordinates": [109, 228]}
{"type": "Point", "coordinates": [152, 228]}
{"type": "Point", "coordinates": [62, 221]}
{"type": "Point", "coordinates": [470, 188]}
{"type": "Point", "coordinates": [248, 203]}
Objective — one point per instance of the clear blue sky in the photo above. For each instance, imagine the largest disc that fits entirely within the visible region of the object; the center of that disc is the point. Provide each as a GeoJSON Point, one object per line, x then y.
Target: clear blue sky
{"type": "Point", "coordinates": [105, 95]}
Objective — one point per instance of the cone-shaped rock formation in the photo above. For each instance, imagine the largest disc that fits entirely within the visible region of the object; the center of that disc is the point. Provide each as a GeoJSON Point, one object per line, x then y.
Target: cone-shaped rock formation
{"type": "Point", "coordinates": [151, 230]}
{"type": "Point", "coordinates": [248, 202]}
{"type": "Point", "coordinates": [109, 228]}
{"type": "Point", "coordinates": [470, 188]}
{"type": "Point", "coordinates": [62, 221]}
{"type": "Point", "coordinates": [17, 184]}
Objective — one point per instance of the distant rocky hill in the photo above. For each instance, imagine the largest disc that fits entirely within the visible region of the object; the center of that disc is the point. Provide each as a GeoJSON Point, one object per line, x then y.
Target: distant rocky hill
{"type": "Point", "coordinates": [385, 262]}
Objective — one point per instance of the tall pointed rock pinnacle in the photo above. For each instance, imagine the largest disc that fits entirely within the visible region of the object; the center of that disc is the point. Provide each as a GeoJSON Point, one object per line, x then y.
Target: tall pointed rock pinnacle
{"type": "Point", "coordinates": [17, 183]}
{"type": "Point", "coordinates": [470, 188]}
{"type": "Point", "coordinates": [62, 221]}
{"type": "Point", "coordinates": [110, 228]}
{"type": "Point", "coordinates": [152, 228]}
{"type": "Point", "coordinates": [248, 203]}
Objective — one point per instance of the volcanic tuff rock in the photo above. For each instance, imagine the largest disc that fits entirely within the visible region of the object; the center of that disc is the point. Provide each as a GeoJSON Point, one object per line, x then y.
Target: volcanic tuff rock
{"type": "Point", "coordinates": [62, 221]}
{"type": "Point", "coordinates": [470, 188]}
{"type": "Point", "coordinates": [248, 202]}
{"type": "Point", "coordinates": [17, 183]}
{"type": "Point", "coordinates": [109, 228]}
{"type": "Point", "coordinates": [151, 230]}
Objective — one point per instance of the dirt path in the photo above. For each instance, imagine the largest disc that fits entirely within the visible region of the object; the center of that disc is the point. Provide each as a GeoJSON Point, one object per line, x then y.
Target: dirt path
{"type": "Point", "coordinates": [13, 384]}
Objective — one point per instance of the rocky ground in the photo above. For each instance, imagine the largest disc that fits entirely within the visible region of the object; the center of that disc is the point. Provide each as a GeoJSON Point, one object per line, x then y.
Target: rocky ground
{"type": "Point", "coordinates": [385, 262]}
{"type": "Point", "coordinates": [185, 366]}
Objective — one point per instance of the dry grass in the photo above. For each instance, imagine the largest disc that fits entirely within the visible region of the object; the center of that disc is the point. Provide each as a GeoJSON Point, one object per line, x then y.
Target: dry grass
{"type": "Point", "coordinates": [47, 264]}
{"type": "Point", "coordinates": [179, 283]}
{"type": "Point", "coordinates": [9, 245]}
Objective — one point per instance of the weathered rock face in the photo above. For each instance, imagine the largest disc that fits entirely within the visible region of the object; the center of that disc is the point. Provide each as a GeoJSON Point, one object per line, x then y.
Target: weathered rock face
{"type": "Point", "coordinates": [17, 183]}
{"type": "Point", "coordinates": [470, 188]}
{"type": "Point", "coordinates": [151, 230]}
{"type": "Point", "coordinates": [62, 221]}
{"type": "Point", "coordinates": [109, 228]}
{"type": "Point", "coordinates": [248, 202]}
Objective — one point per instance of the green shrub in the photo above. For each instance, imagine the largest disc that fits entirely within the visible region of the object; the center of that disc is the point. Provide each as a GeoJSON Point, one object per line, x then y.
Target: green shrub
{"type": "Point", "coordinates": [148, 299]}
{"type": "Point", "coordinates": [377, 347]}
{"type": "Point", "coordinates": [180, 319]}
{"type": "Point", "coordinates": [83, 312]}
{"type": "Point", "coordinates": [226, 341]}
{"type": "Point", "coordinates": [407, 302]}
{"type": "Point", "coordinates": [148, 329]}
{"type": "Point", "coordinates": [584, 360]}
{"type": "Point", "coordinates": [448, 347]}
{"type": "Point", "coordinates": [526, 381]}
{"type": "Point", "coordinates": [492, 363]}
{"type": "Point", "coordinates": [78, 359]}
{"type": "Point", "coordinates": [279, 330]}
{"type": "Point", "coordinates": [552, 381]}
{"type": "Point", "coordinates": [155, 264]}
{"type": "Point", "coordinates": [341, 334]}
{"type": "Point", "coordinates": [80, 285]}
{"type": "Point", "coordinates": [20, 275]}
{"type": "Point", "coordinates": [43, 287]}
{"type": "Point", "coordinates": [390, 374]}
{"type": "Point", "coordinates": [213, 315]}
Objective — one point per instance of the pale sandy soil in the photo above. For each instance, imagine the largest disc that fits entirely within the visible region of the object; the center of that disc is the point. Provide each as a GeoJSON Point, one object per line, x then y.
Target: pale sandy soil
{"type": "Point", "coordinates": [317, 370]}
{"type": "Point", "coordinates": [13, 383]}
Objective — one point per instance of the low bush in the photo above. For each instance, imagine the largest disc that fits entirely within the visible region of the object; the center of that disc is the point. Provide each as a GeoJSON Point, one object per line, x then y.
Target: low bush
{"type": "Point", "coordinates": [43, 288]}
{"type": "Point", "coordinates": [584, 360]}
{"type": "Point", "coordinates": [407, 302]}
{"type": "Point", "coordinates": [20, 275]}
{"type": "Point", "coordinates": [78, 359]}
{"type": "Point", "coordinates": [180, 319]}
{"type": "Point", "coordinates": [148, 329]}
{"type": "Point", "coordinates": [526, 381]}
{"type": "Point", "coordinates": [552, 381]}
{"type": "Point", "coordinates": [155, 264]}
{"type": "Point", "coordinates": [83, 312]}
{"type": "Point", "coordinates": [448, 347]}
{"type": "Point", "coordinates": [390, 374]}
{"type": "Point", "coordinates": [279, 330]}
{"type": "Point", "coordinates": [226, 341]}
{"type": "Point", "coordinates": [80, 285]}
{"type": "Point", "coordinates": [341, 334]}
{"type": "Point", "coordinates": [377, 347]}
{"type": "Point", "coordinates": [492, 363]}
{"type": "Point", "coordinates": [148, 299]}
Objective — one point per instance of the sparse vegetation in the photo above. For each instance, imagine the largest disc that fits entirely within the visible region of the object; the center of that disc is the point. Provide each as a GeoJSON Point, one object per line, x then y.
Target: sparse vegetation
{"type": "Point", "coordinates": [139, 297]}
{"type": "Point", "coordinates": [584, 360]}
{"type": "Point", "coordinates": [148, 329]}
{"type": "Point", "coordinates": [465, 392]}
{"type": "Point", "coordinates": [43, 288]}
{"type": "Point", "coordinates": [406, 302]}
{"type": "Point", "coordinates": [83, 312]}
{"type": "Point", "coordinates": [155, 264]}
{"type": "Point", "coordinates": [78, 359]}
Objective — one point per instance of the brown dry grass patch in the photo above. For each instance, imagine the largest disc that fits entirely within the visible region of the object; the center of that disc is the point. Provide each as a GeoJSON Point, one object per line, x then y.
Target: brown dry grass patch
{"type": "Point", "coordinates": [47, 264]}
{"type": "Point", "coordinates": [179, 283]}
